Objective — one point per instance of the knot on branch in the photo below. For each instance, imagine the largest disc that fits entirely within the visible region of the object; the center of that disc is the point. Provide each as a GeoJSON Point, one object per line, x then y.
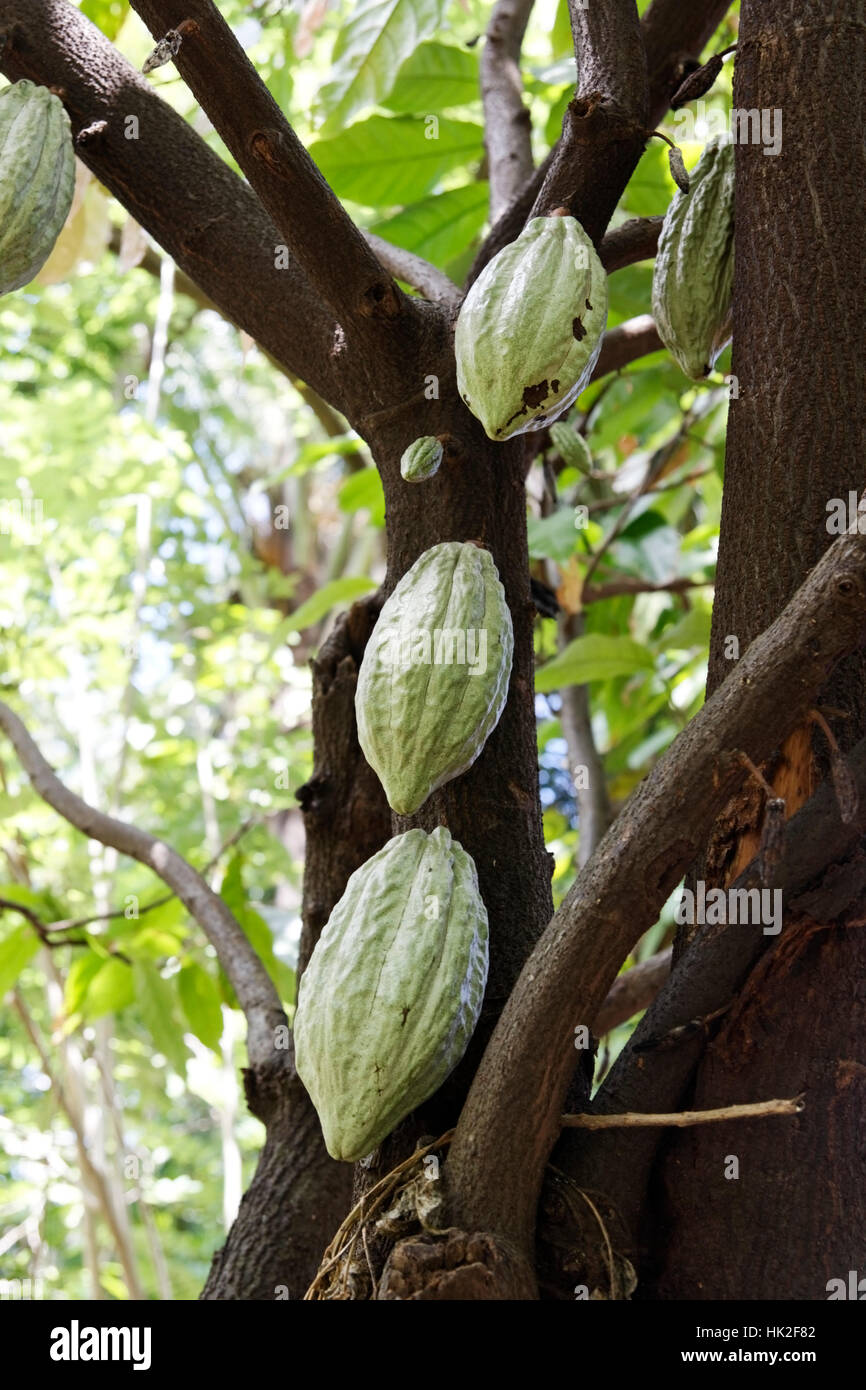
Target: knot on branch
{"type": "Point", "coordinates": [594, 117]}
{"type": "Point", "coordinates": [380, 300]}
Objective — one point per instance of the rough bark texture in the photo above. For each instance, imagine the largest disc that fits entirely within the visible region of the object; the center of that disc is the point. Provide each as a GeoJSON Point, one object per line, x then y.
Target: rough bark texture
{"type": "Point", "coordinates": [795, 440]}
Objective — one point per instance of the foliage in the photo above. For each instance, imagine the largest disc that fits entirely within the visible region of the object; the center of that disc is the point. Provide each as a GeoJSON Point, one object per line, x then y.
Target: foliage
{"type": "Point", "coordinates": [179, 529]}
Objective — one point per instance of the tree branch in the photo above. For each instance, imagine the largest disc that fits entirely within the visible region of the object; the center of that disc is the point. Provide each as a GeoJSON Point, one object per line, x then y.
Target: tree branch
{"type": "Point", "coordinates": [510, 1120]}
{"type": "Point", "coordinates": [632, 991]}
{"type": "Point", "coordinates": [428, 279]}
{"type": "Point", "coordinates": [507, 128]}
{"type": "Point", "coordinates": [594, 812]}
{"type": "Point", "coordinates": [186, 197]}
{"type": "Point", "coordinates": [673, 34]}
{"type": "Point", "coordinates": [605, 125]}
{"type": "Point", "coordinates": [636, 240]}
{"type": "Point", "coordinates": [256, 994]}
{"type": "Point", "coordinates": [313, 223]}
{"type": "Point", "coordinates": [822, 872]}
{"type": "Point", "coordinates": [626, 342]}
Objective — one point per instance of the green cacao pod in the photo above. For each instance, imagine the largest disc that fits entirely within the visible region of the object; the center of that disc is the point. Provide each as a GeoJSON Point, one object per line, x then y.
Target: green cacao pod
{"type": "Point", "coordinates": [530, 329]}
{"type": "Point", "coordinates": [422, 459]}
{"type": "Point", "coordinates": [571, 446]}
{"type": "Point", "coordinates": [434, 677]}
{"type": "Point", "coordinates": [393, 989]}
{"type": "Point", "coordinates": [694, 269]}
{"type": "Point", "coordinates": [37, 179]}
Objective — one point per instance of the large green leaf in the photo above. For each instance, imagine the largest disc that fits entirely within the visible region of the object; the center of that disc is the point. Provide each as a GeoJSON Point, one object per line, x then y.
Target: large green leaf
{"type": "Point", "coordinates": [441, 226]}
{"type": "Point", "coordinates": [109, 990]}
{"type": "Point", "coordinates": [370, 48]}
{"type": "Point", "coordinates": [16, 950]}
{"type": "Point", "coordinates": [326, 598]}
{"type": "Point", "coordinates": [594, 657]}
{"type": "Point", "coordinates": [200, 999]}
{"type": "Point", "coordinates": [434, 77]}
{"type": "Point", "coordinates": [156, 1001]}
{"type": "Point", "coordinates": [256, 929]}
{"type": "Point", "coordinates": [392, 160]}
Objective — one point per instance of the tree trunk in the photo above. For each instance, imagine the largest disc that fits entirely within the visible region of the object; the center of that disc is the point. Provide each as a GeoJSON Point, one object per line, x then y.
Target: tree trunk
{"type": "Point", "coordinates": [791, 1213]}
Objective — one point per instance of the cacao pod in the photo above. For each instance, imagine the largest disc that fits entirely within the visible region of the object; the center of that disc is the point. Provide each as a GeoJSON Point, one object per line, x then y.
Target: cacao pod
{"type": "Point", "coordinates": [694, 270]}
{"type": "Point", "coordinates": [434, 677]}
{"type": "Point", "coordinates": [37, 179]}
{"type": "Point", "coordinates": [530, 329]}
{"type": "Point", "coordinates": [422, 459]}
{"type": "Point", "coordinates": [572, 447]}
{"type": "Point", "coordinates": [393, 989]}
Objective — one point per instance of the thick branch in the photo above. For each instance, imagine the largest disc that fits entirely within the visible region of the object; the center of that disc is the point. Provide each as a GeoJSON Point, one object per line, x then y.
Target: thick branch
{"type": "Point", "coordinates": [635, 338]}
{"type": "Point", "coordinates": [822, 873]}
{"type": "Point", "coordinates": [674, 34]}
{"type": "Point", "coordinates": [604, 129]}
{"type": "Point", "coordinates": [250, 981]}
{"type": "Point", "coordinates": [510, 1119]}
{"type": "Point", "coordinates": [507, 129]}
{"type": "Point", "coordinates": [318, 231]}
{"type": "Point", "coordinates": [636, 240]}
{"type": "Point", "coordinates": [186, 197]}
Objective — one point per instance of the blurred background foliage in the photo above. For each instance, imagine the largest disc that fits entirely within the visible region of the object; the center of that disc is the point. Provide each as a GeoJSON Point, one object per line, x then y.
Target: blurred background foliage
{"type": "Point", "coordinates": [187, 523]}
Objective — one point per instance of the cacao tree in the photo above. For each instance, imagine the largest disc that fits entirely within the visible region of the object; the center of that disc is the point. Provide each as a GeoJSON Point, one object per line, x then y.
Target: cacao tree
{"type": "Point", "coordinates": [501, 1171]}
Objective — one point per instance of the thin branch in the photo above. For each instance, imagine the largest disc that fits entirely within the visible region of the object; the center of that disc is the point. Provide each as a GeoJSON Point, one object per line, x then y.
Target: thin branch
{"type": "Point", "coordinates": [312, 222]}
{"type": "Point", "coordinates": [510, 1119]}
{"type": "Point", "coordinates": [632, 991]}
{"type": "Point", "coordinates": [404, 265]}
{"type": "Point", "coordinates": [70, 923]}
{"type": "Point", "coordinates": [507, 128]}
{"type": "Point", "coordinates": [628, 584]}
{"type": "Point", "coordinates": [681, 1119]}
{"type": "Point", "coordinates": [89, 1171]}
{"type": "Point", "coordinates": [178, 189]}
{"type": "Point", "coordinates": [594, 811]}
{"type": "Point", "coordinates": [256, 994]}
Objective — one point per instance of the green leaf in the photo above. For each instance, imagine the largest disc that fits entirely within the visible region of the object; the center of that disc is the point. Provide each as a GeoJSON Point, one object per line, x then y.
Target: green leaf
{"type": "Point", "coordinates": [370, 48]}
{"type": "Point", "coordinates": [256, 929]}
{"type": "Point", "coordinates": [16, 951]}
{"type": "Point", "coordinates": [200, 1000]}
{"type": "Point", "coordinates": [552, 537]}
{"type": "Point", "coordinates": [594, 657]}
{"type": "Point", "coordinates": [692, 630]}
{"type": "Point", "coordinates": [156, 998]}
{"type": "Point", "coordinates": [317, 605]}
{"type": "Point", "coordinates": [441, 226]}
{"type": "Point", "coordinates": [110, 990]}
{"type": "Point", "coordinates": [395, 159]}
{"type": "Point", "coordinates": [434, 77]}
{"type": "Point", "coordinates": [81, 972]}
{"type": "Point", "coordinates": [364, 490]}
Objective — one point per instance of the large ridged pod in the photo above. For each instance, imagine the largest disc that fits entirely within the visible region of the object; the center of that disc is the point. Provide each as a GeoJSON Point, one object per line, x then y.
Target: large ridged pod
{"type": "Point", "coordinates": [393, 989]}
{"type": "Point", "coordinates": [694, 269]}
{"type": "Point", "coordinates": [434, 678]}
{"type": "Point", "coordinates": [37, 180]}
{"type": "Point", "coordinates": [530, 329]}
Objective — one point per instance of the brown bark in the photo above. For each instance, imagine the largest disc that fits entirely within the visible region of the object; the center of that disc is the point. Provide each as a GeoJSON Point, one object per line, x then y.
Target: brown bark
{"type": "Point", "coordinates": [795, 440]}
